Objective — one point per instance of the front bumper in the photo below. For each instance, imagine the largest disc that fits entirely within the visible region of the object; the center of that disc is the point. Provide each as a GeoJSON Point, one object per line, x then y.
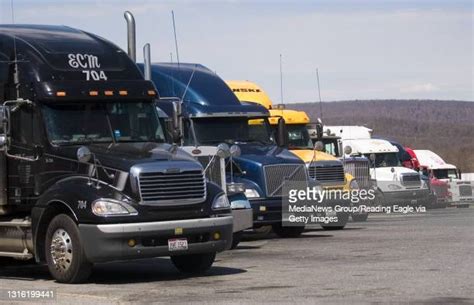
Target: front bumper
{"type": "Point", "coordinates": [266, 211]}
{"type": "Point", "coordinates": [109, 242]}
{"type": "Point", "coordinates": [407, 197]}
{"type": "Point", "coordinates": [243, 219]}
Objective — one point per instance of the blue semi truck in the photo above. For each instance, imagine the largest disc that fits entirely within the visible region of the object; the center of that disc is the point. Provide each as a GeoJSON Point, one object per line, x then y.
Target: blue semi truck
{"type": "Point", "coordinates": [211, 114]}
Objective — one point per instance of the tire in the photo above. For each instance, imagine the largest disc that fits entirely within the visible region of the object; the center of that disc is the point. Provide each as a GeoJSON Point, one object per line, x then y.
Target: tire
{"type": "Point", "coordinates": [236, 238]}
{"type": "Point", "coordinates": [360, 217]}
{"type": "Point", "coordinates": [287, 232]}
{"type": "Point", "coordinates": [194, 263]}
{"type": "Point", "coordinates": [463, 206]}
{"type": "Point", "coordinates": [342, 219]}
{"type": "Point", "coordinates": [68, 264]}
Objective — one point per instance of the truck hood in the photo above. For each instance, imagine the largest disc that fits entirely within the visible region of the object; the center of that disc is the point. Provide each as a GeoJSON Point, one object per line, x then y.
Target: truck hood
{"type": "Point", "coordinates": [266, 155]}
{"type": "Point", "coordinates": [123, 156]}
{"type": "Point", "coordinates": [307, 155]}
{"type": "Point", "coordinates": [386, 174]}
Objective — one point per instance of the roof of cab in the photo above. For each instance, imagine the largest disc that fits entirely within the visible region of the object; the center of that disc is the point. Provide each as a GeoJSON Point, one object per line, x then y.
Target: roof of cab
{"type": "Point", "coordinates": [249, 92]}
{"type": "Point", "coordinates": [431, 160]}
{"type": "Point", "coordinates": [368, 146]}
{"type": "Point", "coordinates": [49, 47]}
{"type": "Point", "coordinates": [290, 116]}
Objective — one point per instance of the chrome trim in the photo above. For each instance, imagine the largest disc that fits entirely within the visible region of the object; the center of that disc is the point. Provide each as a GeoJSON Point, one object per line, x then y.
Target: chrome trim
{"type": "Point", "coordinates": [143, 227]}
{"type": "Point", "coordinates": [296, 168]}
{"type": "Point", "coordinates": [176, 168]}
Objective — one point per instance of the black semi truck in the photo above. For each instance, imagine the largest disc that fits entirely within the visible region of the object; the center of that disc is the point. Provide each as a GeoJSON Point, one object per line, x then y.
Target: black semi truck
{"type": "Point", "coordinates": [86, 173]}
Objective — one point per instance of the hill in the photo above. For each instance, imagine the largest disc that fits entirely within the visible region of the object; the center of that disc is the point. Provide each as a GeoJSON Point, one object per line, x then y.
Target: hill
{"type": "Point", "coordinates": [445, 127]}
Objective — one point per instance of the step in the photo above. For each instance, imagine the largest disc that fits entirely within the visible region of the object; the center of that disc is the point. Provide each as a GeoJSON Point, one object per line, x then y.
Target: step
{"type": "Point", "coordinates": [24, 223]}
{"type": "Point", "coordinates": [17, 255]}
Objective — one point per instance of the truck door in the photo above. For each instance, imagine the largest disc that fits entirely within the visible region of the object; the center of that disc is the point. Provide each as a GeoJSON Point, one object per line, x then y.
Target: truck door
{"type": "Point", "coordinates": [25, 133]}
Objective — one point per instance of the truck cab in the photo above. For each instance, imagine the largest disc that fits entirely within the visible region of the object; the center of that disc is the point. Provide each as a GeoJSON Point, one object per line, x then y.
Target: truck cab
{"type": "Point", "coordinates": [460, 192]}
{"type": "Point", "coordinates": [212, 115]}
{"type": "Point", "coordinates": [87, 175]}
{"type": "Point", "coordinates": [395, 184]}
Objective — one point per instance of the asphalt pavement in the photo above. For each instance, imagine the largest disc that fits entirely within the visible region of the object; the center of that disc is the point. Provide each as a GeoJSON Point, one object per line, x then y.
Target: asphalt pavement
{"type": "Point", "coordinates": [418, 259]}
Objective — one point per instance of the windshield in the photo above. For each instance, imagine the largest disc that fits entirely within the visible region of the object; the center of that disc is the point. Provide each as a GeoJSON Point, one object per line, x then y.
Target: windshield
{"type": "Point", "coordinates": [298, 137]}
{"type": "Point", "coordinates": [230, 130]}
{"type": "Point", "coordinates": [445, 173]}
{"type": "Point", "coordinates": [385, 159]}
{"type": "Point", "coordinates": [102, 123]}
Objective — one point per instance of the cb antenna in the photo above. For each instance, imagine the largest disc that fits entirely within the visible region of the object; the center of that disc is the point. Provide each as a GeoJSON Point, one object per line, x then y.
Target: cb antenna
{"type": "Point", "coordinates": [175, 38]}
{"type": "Point", "coordinates": [319, 93]}
{"type": "Point", "coordinates": [281, 80]}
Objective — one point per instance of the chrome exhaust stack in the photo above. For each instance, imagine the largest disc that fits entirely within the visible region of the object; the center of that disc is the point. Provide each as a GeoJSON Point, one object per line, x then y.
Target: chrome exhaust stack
{"type": "Point", "coordinates": [147, 61]}
{"type": "Point", "coordinates": [131, 36]}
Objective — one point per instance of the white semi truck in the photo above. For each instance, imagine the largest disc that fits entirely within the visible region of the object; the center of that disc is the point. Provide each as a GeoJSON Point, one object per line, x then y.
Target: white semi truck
{"type": "Point", "coordinates": [395, 184]}
{"type": "Point", "coordinates": [460, 190]}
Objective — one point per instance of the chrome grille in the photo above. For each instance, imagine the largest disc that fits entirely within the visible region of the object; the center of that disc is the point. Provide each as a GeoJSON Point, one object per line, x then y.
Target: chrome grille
{"type": "Point", "coordinates": [327, 173]}
{"type": "Point", "coordinates": [213, 172]}
{"type": "Point", "coordinates": [162, 188]}
{"type": "Point", "coordinates": [465, 190]}
{"type": "Point", "coordinates": [411, 180]}
{"type": "Point", "coordinates": [360, 170]}
{"type": "Point", "coordinates": [276, 175]}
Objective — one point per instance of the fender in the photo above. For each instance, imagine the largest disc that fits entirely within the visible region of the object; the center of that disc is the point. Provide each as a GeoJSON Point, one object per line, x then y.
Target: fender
{"type": "Point", "coordinates": [71, 195]}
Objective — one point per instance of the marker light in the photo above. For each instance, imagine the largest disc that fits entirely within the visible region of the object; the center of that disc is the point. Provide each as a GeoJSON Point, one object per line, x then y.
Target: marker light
{"type": "Point", "coordinates": [151, 92]}
{"type": "Point", "coordinates": [108, 92]}
{"type": "Point", "coordinates": [93, 93]}
{"type": "Point", "coordinates": [123, 92]}
{"type": "Point", "coordinates": [61, 93]}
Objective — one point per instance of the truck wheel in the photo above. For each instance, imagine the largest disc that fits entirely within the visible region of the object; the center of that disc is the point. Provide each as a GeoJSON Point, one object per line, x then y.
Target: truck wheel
{"type": "Point", "coordinates": [463, 206]}
{"type": "Point", "coordinates": [287, 232]}
{"type": "Point", "coordinates": [65, 256]}
{"type": "Point", "coordinates": [342, 219]}
{"type": "Point", "coordinates": [236, 238]}
{"type": "Point", "coordinates": [360, 217]}
{"type": "Point", "coordinates": [194, 263]}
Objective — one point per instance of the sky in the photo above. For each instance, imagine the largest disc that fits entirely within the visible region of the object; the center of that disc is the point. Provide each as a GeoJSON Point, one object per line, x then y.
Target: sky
{"type": "Point", "coordinates": [363, 49]}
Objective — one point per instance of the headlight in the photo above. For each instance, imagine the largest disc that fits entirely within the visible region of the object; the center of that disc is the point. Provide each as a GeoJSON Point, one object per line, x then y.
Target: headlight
{"type": "Point", "coordinates": [111, 207]}
{"type": "Point", "coordinates": [354, 185]}
{"type": "Point", "coordinates": [252, 193]}
{"type": "Point", "coordinates": [234, 188]}
{"type": "Point", "coordinates": [394, 187]}
{"type": "Point", "coordinates": [221, 202]}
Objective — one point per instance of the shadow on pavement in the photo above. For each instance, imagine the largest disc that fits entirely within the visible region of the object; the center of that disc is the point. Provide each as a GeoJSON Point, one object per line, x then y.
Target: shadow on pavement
{"type": "Point", "coordinates": [141, 271]}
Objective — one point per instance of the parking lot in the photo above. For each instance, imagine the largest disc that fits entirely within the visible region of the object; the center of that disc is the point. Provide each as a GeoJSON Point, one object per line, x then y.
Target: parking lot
{"type": "Point", "coordinates": [420, 258]}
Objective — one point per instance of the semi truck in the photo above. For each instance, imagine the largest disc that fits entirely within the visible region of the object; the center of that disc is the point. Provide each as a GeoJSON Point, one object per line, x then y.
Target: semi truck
{"type": "Point", "coordinates": [460, 191]}
{"type": "Point", "coordinates": [396, 185]}
{"type": "Point", "coordinates": [86, 173]}
{"type": "Point", "coordinates": [321, 166]}
{"type": "Point", "coordinates": [211, 114]}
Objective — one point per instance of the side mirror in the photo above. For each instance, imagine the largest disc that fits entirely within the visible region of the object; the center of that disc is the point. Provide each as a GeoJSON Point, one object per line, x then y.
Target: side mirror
{"type": "Point", "coordinates": [235, 151]}
{"type": "Point", "coordinates": [3, 142]}
{"type": "Point", "coordinates": [319, 129]}
{"type": "Point", "coordinates": [319, 146]}
{"type": "Point", "coordinates": [223, 150]}
{"type": "Point", "coordinates": [176, 123]}
{"type": "Point", "coordinates": [347, 150]}
{"type": "Point", "coordinates": [84, 154]}
{"type": "Point", "coordinates": [282, 134]}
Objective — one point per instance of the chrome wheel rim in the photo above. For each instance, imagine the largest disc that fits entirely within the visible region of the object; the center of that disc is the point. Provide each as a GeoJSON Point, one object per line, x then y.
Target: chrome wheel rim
{"type": "Point", "coordinates": [61, 250]}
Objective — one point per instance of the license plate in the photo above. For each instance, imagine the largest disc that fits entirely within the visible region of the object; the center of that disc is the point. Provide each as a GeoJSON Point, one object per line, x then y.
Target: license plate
{"type": "Point", "coordinates": [177, 244]}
